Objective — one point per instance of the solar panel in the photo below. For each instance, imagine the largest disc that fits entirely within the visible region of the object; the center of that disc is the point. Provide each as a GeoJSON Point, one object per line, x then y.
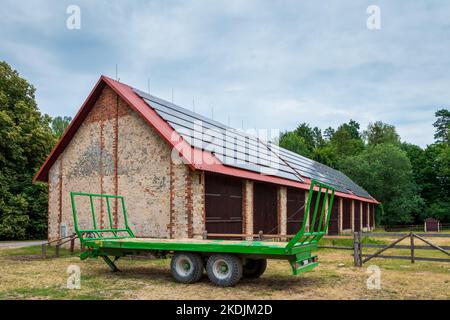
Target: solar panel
{"type": "Point", "coordinates": [238, 149]}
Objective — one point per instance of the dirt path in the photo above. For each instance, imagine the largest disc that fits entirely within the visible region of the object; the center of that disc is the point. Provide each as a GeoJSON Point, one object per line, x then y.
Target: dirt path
{"type": "Point", "coordinates": [15, 244]}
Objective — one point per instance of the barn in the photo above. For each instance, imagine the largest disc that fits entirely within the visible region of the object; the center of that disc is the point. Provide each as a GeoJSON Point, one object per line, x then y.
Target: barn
{"type": "Point", "coordinates": [183, 174]}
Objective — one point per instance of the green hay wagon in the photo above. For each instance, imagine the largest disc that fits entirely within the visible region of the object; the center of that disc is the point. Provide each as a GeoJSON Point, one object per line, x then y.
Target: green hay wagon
{"type": "Point", "coordinates": [225, 261]}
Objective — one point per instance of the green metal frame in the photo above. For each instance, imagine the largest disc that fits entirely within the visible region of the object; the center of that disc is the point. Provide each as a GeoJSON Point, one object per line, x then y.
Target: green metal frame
{"type": "Point", "coordinates": [99, 231]}
{"type": "Point", "coordinates": [297, 251]}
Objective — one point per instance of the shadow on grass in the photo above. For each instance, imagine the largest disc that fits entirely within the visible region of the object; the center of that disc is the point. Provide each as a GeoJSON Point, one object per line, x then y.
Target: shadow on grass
{"type": "Point", "coordinates": [268, 282]}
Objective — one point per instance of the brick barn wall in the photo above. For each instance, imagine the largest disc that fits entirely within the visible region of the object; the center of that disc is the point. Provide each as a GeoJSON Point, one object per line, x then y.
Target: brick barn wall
{"type": "Point", "coordinates": [116, 152]}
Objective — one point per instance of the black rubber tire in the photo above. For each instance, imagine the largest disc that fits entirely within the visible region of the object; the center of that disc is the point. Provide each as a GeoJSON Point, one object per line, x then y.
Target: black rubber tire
{"type": "Point", "coordinates": [231, 263]}
{"type": "Point", "coordinates": [194, 262]}
{"type": "Point", "coordinates": [254, 268]}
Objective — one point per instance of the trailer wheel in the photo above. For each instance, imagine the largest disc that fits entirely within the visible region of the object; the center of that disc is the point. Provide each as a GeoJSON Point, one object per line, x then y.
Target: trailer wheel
{"type": "Point", "coordinates": [224, 270]}
{"type": "Point", "coordinates": [186, 267]}
{"type": "Point", "coordinates": [254, 268]}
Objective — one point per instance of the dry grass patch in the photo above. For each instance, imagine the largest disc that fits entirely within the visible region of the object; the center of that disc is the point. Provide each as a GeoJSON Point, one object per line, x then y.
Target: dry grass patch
{"type": "Point", "coordinates": [25, 275]}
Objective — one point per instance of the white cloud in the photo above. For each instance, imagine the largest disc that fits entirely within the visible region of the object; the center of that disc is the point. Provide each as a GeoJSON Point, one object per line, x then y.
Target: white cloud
{"type": "Point", "coordinates": [268, 64]}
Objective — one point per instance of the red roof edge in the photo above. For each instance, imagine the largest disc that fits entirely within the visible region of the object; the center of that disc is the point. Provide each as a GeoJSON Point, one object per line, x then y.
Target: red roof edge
{"type": "Point", "coordinates": [42, 174]}
{"type": "Point", "coordinates": [135, 102]}
{"type": "Point", "coordinates": [190, 155]}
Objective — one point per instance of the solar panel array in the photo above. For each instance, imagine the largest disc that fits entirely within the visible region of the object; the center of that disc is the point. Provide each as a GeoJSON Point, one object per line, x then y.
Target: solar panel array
{"type": "Point", "coordinates": [238, 149]}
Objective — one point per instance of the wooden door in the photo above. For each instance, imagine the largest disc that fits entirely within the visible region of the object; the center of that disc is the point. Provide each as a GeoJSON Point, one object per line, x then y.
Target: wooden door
{"type": "Point", "coordinates": [357, 215]}
{"type": "Point", "coordinates": [223, 204]}
{"type": "Point", "coordinates": [347, 214]}
{"type": "Point", "coordinates": [333, 226]}
{"type": "Point", "coordinates": [319, 211]}
{"type": "Point", "coordinates": [265, 208]}
{"type": "Point", "coordinates": [295, 210]}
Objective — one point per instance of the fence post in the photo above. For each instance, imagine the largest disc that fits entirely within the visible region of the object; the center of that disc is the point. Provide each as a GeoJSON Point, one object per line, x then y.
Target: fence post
{"type": "Point", "coordinates": [72, 245]}
{"type": "Point", "coordinates": [357, 249]}
{"type": "Point", "coordinates": [411, 236]}
{"type": "Point", "coordinates": [57, 250]}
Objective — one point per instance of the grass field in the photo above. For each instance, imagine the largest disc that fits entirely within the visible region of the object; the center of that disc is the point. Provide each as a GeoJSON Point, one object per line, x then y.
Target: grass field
{"type": "Point", "coordinates": [26, 275]}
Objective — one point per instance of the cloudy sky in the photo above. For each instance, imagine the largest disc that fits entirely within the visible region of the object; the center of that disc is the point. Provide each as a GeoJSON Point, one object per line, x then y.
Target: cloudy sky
{"type": "Point", "coordinates": [268, 64]}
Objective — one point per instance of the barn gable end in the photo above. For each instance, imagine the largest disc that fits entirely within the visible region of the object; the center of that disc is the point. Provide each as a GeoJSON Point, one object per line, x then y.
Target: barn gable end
{"type": "Point", "coordinates": [114, 151]}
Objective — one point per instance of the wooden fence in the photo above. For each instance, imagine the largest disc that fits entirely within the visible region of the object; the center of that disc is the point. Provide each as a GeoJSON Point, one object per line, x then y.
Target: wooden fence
{"type": "Point", "coordinates": [58, 244]}
{"type": "Point", "coordinates": [360, 257]}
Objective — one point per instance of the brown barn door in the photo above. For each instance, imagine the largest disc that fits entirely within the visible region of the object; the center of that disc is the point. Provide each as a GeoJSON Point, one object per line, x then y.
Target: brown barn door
{"type": "Point", "coordinates": [265, 213]}
{"type": "Point", "coordinates": [364, 213]}
{"type": "Point", "coordinates": [333, 225]}
{"type": "Point", "coordinates": [319, 211]}
{"type": "Point", "coordinates": [295, 210]}
{"type": "Point", "coordinates": [372, 215]}
{"type": "Point", "coordinates": [347, 214]}
{"type": "Point", "coordinates": [357, 216]}
{"type": "Point", "coordinates": [223, 204]}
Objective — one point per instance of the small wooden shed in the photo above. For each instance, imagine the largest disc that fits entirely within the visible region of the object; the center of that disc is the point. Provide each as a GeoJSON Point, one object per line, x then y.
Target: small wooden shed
{"type": "Point", "coordinates": [432, 225]}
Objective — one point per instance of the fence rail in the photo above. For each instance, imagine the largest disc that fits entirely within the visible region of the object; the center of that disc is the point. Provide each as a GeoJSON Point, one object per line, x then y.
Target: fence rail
{"type": "Point", "coordinates": [360, 258]}
{"type": "Point", "coordinates": [59, 242]}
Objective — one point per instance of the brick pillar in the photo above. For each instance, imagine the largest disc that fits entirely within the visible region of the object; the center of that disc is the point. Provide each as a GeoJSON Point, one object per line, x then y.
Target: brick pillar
{"type": "Point", "coordinates": [341, 216]}
{"type": "Point", "coordinates": [247, 207]}
{"type": "Point", "coordinates": [367, 205]}
{"type": "Point", "coordinates": [373, 227]}
{"type": "Point", "coordinates": [353, 216]}
{"type": "Point", "coordinates": [282, 210]}
{"type": "Point", "coordinates": [181, 206]}
{"type": "Point", "coordinates": [361, 215]}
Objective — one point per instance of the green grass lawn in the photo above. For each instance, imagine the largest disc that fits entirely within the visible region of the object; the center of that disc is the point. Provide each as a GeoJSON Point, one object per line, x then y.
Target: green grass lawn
{"type": "Point", "coordinates": [27, 275]}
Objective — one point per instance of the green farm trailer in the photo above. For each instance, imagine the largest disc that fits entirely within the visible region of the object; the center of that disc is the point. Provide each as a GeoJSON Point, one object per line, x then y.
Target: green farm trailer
{"type": "Point", "coordinates": [225, 261]}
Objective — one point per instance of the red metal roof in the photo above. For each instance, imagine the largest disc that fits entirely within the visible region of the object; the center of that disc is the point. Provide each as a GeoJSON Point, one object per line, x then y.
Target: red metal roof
{"type": "Point", "coordinates": [189, 154]}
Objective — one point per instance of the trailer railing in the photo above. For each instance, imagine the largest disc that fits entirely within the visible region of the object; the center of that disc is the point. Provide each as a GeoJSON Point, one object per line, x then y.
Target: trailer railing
{"type": "Point", "coordinates": [98, 232]}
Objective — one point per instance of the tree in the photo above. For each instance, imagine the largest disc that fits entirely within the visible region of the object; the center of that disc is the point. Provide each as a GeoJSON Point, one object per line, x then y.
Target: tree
{"type": "Point", "coordinates": [59, 124]}
{"type": "Point", "coordinates": [379, 132]}
{"type": "Point", "coordinates": [352, 127]}
{"type": "Point", "coordinates": [25, 141]}
{"type": "Point", "coordinates": [347, 140]}
{"type": "Point", "coordinates": [306, 133]}
{"type": "Point", "coordinates": [295, 143]}
{"type": "Point", "coordinates": [386, 173]}
{"type": "Point", "coordinates": [328, 133]}
{"type": "Point", "coordinates": [442, 126]}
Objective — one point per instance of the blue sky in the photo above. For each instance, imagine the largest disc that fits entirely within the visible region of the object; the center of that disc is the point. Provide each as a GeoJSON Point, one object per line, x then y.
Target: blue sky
{"type": "Point", "coordinates": [268, 64]}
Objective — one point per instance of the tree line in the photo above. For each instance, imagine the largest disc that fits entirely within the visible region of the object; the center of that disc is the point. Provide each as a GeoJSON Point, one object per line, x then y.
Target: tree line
{"type": "Point", "coordinates": [411, 182]}
{"type": "Point", "coordinates": [26, 139]}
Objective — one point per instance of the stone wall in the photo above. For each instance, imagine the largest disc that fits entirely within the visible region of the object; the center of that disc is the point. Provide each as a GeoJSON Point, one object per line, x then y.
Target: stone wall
{"type": "Point", "coordinates": [116, 152]}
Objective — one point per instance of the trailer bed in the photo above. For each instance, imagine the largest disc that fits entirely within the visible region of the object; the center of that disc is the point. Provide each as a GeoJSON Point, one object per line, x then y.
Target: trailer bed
{"type": "Point", "coordinates": [198, 245]}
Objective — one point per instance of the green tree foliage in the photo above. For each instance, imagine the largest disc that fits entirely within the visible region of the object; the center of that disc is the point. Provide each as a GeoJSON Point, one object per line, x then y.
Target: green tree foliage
{"type": "Point", "coordinates": [25, 141]}
{"type": "Point", "coordinates": [386, 172]}
{"type": "Point", "coordinates": [295, 143]}
{"type": "Point", "coordinates": [312, 137]}
{"type": "Point", "coordinates": [347, 140]}
{"type": "Point", "coordinates": [442, 126]}
{"type": "Point", "coordinates": [379, 132]}
{"type": "Point", "coordinates": [411, 182]}
{"type": "Point", "coordinates": [59, 124]}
